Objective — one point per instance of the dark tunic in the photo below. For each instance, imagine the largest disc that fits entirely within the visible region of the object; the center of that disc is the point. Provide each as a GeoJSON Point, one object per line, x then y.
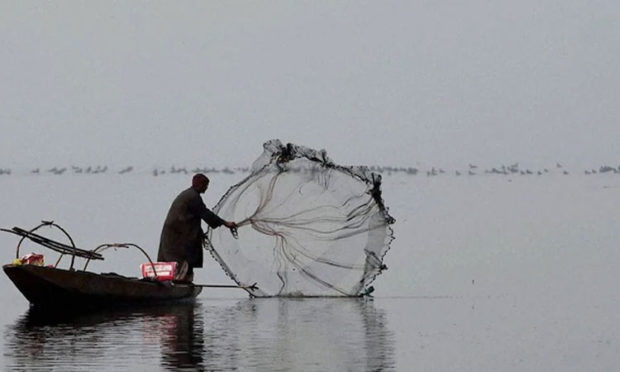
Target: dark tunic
{"type": "Point", "coordinates": [181, 236]}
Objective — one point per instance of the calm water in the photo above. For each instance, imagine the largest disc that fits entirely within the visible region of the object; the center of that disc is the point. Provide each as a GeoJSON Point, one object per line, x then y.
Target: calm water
{"type": "Point", "coordinates": [486, 274]}
{"type": "Point", "coordinates": [233, 334]}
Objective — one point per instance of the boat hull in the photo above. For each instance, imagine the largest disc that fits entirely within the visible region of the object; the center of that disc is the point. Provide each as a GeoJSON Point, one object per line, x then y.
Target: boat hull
{"type": "Point", "coordinates": [52, 287]}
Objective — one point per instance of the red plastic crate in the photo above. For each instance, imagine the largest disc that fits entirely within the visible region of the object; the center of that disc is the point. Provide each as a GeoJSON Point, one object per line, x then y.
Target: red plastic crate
{"type": "Point", "coordinates": [164, 270]}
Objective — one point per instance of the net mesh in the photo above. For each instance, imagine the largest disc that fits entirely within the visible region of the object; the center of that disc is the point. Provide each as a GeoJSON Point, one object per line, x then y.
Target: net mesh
{"type": "Point", "coordinates": [307, 227]}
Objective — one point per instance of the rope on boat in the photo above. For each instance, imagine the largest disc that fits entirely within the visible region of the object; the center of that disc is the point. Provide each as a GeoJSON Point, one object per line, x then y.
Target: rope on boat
{"type": "Point", "coordinates": [252, 287]}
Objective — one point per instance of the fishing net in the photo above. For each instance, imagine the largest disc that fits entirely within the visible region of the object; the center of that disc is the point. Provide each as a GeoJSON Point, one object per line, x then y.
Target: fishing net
{"type": "Point", "coordinates": [307, 227]}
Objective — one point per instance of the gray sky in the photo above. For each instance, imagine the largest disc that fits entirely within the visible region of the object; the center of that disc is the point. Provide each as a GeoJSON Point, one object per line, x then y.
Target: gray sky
{"type": "Point", "coordinates": [381, 82]}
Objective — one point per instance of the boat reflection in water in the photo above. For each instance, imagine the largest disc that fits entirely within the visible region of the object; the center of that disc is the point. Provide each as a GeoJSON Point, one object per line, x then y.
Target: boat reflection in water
{"type": "Point", "coordinates": [108, 340]}
{"type": "Point", "coordinates": [215, 334]}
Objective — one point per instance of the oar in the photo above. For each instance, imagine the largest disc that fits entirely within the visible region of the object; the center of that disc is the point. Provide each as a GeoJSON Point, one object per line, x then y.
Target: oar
{"type": "Point", "coordinates": [252, 287]}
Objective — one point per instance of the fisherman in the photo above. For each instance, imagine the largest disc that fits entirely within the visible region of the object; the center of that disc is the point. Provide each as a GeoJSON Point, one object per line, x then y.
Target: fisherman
{"type": "Point", "coordinates": [182, 236]}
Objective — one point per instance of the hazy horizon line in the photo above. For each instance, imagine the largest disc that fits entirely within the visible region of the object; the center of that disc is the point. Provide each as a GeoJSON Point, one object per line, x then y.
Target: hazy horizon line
{"type": "Point", "coordinates": [429, 170]}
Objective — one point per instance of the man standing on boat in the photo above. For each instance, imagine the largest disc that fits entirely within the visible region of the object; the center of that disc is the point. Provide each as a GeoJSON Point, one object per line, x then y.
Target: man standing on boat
{"type": "Point", "coordinates": [182, 236]}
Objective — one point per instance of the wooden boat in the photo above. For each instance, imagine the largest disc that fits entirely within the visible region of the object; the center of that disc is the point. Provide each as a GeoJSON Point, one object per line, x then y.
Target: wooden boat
{"type": "Point", "coordinates": [52, 287]}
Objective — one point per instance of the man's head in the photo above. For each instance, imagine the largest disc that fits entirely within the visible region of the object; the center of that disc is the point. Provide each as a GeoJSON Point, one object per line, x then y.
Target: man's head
{"type": "Point", "coordinates": [200, 182]}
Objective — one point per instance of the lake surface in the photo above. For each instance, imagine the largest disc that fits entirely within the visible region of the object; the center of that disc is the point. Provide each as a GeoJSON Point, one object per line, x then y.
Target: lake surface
{"type": "Point", "coordinates": [222, 334]}
{"type": "Point", "coordinates": [486, 273]}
